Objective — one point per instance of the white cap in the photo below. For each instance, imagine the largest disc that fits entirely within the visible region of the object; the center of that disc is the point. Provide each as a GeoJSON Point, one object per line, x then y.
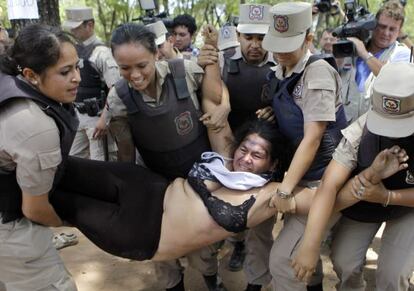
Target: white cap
{"type": "Point", "coordinates": [392, 110]}
{"type": "Point", "coordinates": [159, 29]}
{"type": "Point", "coordinates": [227, 37]}
{"type": "Point", "coordinates": [76, 16]}
{"type": "Point", "coordinates": [287, 30]}
{"type": "Point", "coordinates": [254, 18]}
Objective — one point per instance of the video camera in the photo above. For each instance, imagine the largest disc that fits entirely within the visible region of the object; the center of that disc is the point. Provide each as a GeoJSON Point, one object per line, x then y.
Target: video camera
{"type": "Point", "coordinates": [325, 6]}
{"type": "Point", "coordinates": [360, 24]}
{"type": "Point", "coordinates": [150, 17]}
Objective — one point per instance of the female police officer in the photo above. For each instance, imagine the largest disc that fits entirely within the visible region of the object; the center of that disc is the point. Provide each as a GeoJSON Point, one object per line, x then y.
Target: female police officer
{"type": "Point", "coordinates": [39, 78]}
{"type": "Point", "coordinates": [307, 106]}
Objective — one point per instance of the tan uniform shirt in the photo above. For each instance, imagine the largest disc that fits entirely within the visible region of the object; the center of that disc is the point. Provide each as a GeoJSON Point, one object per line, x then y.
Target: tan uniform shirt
{"type": "Point", "coordinates": [193, 76]}
{"type": "Point", "coordinates": [103, 61]}
{"type": "Point", "coordinates": [318, 92]}
{"type": "Point", "coordinates": [346, 153]}
{"type": "Point", "coordinates": [29, 144]}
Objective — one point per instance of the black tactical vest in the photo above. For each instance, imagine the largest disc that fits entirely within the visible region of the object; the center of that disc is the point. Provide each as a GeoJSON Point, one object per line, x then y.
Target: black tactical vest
{"type": "Point", "coordinates": [245, 83]}
{"type": "Point", "coordinates": [369, 147]}
{"type": "Point", "coordinates": [169, 137]}
{"type": "Point", "coordinates": [289, 118]}
{"type": "Point", "coordinates": [91, 85]}
{"type": "Point", "coordinates": [67, 123]}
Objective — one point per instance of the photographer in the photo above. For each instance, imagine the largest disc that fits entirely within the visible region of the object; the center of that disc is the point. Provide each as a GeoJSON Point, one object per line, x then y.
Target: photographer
{"type": "Point", "coordinates": [382, 48]}
{"type": "Point", "coordinates": [326, 15]}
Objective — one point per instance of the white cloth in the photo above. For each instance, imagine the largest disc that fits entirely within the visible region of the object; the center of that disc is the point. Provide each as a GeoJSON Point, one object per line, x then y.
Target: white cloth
{"type": "Point", "coordinates": [232, 180]}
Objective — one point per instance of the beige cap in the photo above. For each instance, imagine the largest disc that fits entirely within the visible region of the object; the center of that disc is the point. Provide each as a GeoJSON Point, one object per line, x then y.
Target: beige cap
{"type": "Point", "coordinates": [254, 18]}
{"type": "Point", "coordinates": [287, 30]}
{"type": "Point", "coordinates": [227, 37]}
{"type": "Point", "coordinates": [159, 29]}
{"type": "Point", "coordinates": [392, 100]}
{"type": "Point", "coordinates": [75, 16]}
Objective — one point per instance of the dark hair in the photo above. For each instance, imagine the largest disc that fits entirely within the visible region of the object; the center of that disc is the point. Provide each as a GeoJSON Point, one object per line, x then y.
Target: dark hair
{"type": "Point", "coordinates": [186, 20]}
{"type": "Point", "coordinates": [133, 33]}
{"type": "Point", "coordinates": [85, 22]}
{"type": "Point", "coordinates": [280, 150]}
{"type": "Point", "coordinates": [36, 47]}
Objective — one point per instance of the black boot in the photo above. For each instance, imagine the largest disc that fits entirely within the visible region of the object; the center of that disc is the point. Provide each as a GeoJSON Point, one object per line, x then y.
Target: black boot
{"type": "Point", "coordinates": [178, 287]}
{"type": "Point", "coordinates": [214, 283]}
{"type": "Point", "coordinates": [253, 287]}
{"type": "Point", "coordinates": [237, 257]}
{"type": "Point", "coordinates": [317, 287]}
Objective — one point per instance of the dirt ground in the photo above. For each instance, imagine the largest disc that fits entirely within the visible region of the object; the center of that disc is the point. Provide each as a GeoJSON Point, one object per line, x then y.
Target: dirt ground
{"type": "Point", "coordinates": [94, 270]}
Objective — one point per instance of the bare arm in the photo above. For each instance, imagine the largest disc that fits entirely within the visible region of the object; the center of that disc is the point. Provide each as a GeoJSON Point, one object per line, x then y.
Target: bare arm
{"type": "Point", "coordinates": [386, 163]}
{"type": "Point", "coordinates": [211, 87]}
{"type": "Point", "coordinates": [38, 209]}
{"type": "Point", "coordinates": [373, 63]}
{"type": "Point", "coordinates": [220, 140]}
{"type": "Point", "coordinates": [320, 212]}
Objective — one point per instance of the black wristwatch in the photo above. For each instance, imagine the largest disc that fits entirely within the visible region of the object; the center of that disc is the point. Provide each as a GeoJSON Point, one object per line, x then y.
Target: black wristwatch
{"type": "Point", "coordinates": [283, 194]}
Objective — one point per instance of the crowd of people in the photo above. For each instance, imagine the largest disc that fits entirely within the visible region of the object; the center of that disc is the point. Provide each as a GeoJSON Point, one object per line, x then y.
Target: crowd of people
{"type": "Point", "coordinates": [156, 149]}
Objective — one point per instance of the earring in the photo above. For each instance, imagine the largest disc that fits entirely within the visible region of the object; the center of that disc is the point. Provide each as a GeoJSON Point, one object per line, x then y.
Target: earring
{"type": "Point", "coordinates": [34, 82]}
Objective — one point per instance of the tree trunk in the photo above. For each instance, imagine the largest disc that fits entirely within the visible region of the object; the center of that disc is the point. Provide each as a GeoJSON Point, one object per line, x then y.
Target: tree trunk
{"type": "Point", "coordinates": [49, 12]}
{"type": "Point", "coordinates": [165, 4]}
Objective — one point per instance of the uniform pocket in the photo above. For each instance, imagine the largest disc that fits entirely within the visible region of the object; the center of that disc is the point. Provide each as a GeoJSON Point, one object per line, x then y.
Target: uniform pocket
{"type": "Point", "coordinates": [50, 159]}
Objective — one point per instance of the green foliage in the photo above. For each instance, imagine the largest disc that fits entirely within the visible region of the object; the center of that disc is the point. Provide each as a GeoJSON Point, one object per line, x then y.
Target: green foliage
{"type": "Point", "coordinates": [110, 13]}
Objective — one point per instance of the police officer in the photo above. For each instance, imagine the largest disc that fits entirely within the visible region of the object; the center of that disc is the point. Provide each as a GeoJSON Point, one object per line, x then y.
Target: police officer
{"type": "Point", "coordinates": [164, 41]}
{"type": "Point", "coordinates": [205, 259]}
{"type": "Point", "coordinates": [162, 96]}
{"type": "Point", "coordinates": [307, 106]}
{"type": "Point", "coordinates": [245, 72]}
{"type": "Point", "coordinates": [382, 192]}
{"type": "Point", "coordinates": [39, 80]}
{"type": "Point", "coordinates": [227, 42]}
{"type": "Point", "coordinates": [99, 73]}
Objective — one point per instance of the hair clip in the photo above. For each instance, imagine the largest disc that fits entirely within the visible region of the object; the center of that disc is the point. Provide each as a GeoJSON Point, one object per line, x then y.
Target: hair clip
{"type": "Point", "coordinates": [19, 68]}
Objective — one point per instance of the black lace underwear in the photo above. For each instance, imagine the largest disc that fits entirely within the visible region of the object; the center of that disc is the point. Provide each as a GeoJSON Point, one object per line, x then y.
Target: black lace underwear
{"type": "Point", "coordinates": [231, 218]}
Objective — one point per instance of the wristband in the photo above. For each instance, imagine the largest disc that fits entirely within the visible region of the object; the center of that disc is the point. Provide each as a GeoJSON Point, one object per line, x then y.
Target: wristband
{"type": "Point", "coordinates": [370, 56]}
{"type": "Point", "coordinates": [283, 194]}
{"type": "Point", "coordinates": [385, 204]}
